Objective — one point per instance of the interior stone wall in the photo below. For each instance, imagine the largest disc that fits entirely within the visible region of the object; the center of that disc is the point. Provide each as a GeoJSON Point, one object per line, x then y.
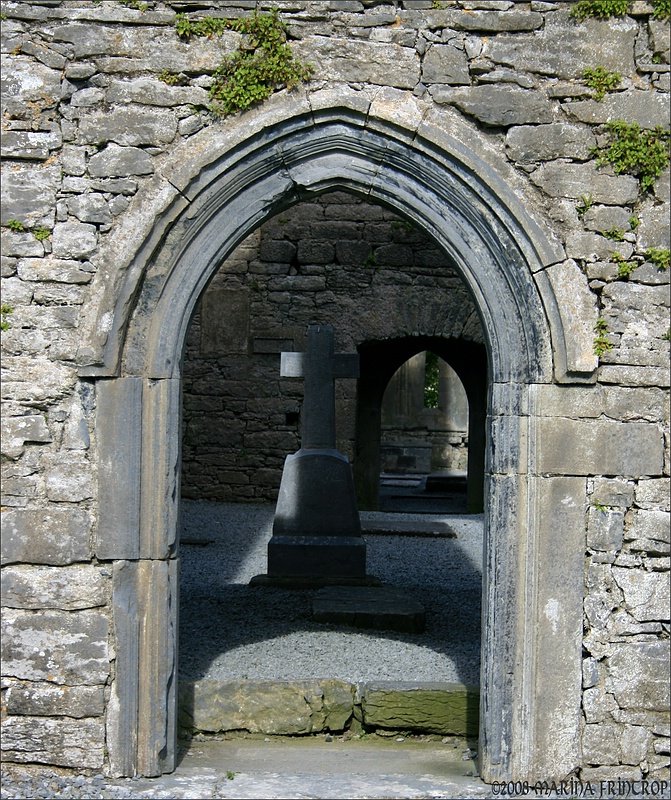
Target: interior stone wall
{"type": "Point", "coordinates": [338, 261]}
{"type": "Point", "coordinates": [87, 125]}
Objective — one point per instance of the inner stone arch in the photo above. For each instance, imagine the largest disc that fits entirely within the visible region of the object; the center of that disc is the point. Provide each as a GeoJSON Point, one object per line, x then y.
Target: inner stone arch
{"type": "Point", "coordinates": [528, 726]}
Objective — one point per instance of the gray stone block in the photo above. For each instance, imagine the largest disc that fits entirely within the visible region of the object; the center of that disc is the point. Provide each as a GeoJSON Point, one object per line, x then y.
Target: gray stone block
{"type": "Point", "coordinates": [547, 142]}
{"type": "Point", "coordinates": [16, 431]}
{"type": "Point", "coordinates": [128, 126]}
{"type": "Point", "coordinates": [29, 196]}
{"type": "Point", "coordinates": [46, 536]}
{"type": "Point", "coordinates": [638, 675]}
{"type": "Point", "coordinates": [55, 270]}
{"type": "Point", "coordinates": [647, 109]}
{"type": "Point", "coordinates": [68, 587]}
{"type": "Point", "coordinates": [74, 240]}
{"type": "Point", "coordinates": [500, 105]}
{"type": "Point", "coordinates": [378, 607]}
{"type": "Point", "coordinates": [646, 594]}
{"type": "Point", "coordinates": [605, 529]}
{"type": "Point", "coordinates": [47, 699]}
{"type": "Point", "coordinates": [444, 63]}
{"type": "Point", "coordinates": [563, 179]}
{"type": "Point", "coordinates": [58, 646]}
{"type": "Point", "coordinates": [63, 742]}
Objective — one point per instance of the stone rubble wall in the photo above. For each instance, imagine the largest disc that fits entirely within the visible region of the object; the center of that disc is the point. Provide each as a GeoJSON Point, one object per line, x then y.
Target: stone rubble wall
{"type": "Point", "coordinates": [339, 260]}
{"type": "Point", "coordinates": [86, 123]}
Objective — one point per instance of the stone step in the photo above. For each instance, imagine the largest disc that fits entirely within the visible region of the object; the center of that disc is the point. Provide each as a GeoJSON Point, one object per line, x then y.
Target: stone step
{"type": "Point", "coordinates": [378, 607]}
{"type": "Point", "coordinates": [294, 707]}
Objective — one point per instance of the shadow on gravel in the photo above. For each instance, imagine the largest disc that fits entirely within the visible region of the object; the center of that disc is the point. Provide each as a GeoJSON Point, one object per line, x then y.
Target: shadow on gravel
{"type": "Point", "coordinates": [229, 630]}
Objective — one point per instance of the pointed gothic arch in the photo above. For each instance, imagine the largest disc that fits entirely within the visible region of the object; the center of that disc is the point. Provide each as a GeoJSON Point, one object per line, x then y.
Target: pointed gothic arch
{"type": "Point", "coordinates": [209, 196]}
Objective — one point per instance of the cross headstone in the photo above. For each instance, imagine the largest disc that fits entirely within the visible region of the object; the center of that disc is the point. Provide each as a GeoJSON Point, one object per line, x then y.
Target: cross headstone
{"type": "Point", "coordinates": [316, 530]}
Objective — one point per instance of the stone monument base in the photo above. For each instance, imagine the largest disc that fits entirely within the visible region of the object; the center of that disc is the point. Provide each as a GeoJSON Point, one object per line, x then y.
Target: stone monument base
{"type": "Point", "coordinates": [380, 608]}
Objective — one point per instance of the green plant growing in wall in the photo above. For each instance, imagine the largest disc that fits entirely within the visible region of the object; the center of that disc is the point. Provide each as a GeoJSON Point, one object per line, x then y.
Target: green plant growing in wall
{"type": "Point", "coordinates": [262, 64]}
{"type": "Point", "coordinates": [586, 202]}
{"type": "Point", "coordinates": [601, 9]}
{"type": "Point", "coordinates": [171, 78]}
{"type": "Point", "coordinates": [659, 256]}
{"type": "Point", "coordinates": [614, 234]}
{"type": "Point", "coordinates": [41, 233]}
{"type": "Point", "coordinates": [601, 81]}
{"type": "Point", "coordinates": [15, 225]}
{"type": "Point", "coordinates": [634, 222]}
{"type": "Point", "coordinates": [370, 260]}
{"type": "Point", "coordinates": [602, 343]}
{"type": "Point", "coordinates": [5, 311]}
{"type": "Point", "coordinates": [642, 153]}
{"type": "Point", "coordinates": [661, 9]}
{"type": "Point", "coordinates": [624, 267]}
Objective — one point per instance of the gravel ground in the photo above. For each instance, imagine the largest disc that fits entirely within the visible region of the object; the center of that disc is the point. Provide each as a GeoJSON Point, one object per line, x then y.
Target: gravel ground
{"type": "Point", "coordinates": [230, 630]}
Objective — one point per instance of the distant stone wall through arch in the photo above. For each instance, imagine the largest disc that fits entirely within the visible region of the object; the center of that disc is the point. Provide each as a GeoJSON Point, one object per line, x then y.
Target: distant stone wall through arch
{"type": "Point", "coordinates": [530, 700]}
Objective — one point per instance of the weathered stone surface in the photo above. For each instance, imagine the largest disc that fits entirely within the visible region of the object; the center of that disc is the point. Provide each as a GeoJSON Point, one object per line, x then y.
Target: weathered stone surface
{"type": "Point", "coordinates": [152, 92]}
{"type": "Point", "coordinates": [562, 179]}
{"type": "Point", "coordinates": [547, 142]}
{"type": "Point", "coordinates": [90, 208]}
{"type": "Point", "coordinates": [120, 162]}
{"type": "Point", "coordinates": [599, 447]}
{"type": "Point", "coordinates": [563, 50]}
{"type": "Point", "coordinates": [30, 145]}
{"type": "Point", "coordinates": [605, 529]}
{"type": "Point", "coordinates": [56, 646]}
{"type": "Point", "coordinates": [273, 707]}
{"type": "Point", "coordinates": [16, 431]}
{"type": "Point", "coordinates": [70, 480]}
{"type": "Point", "coordinates": [64, 742]}
{"type": "Point", "coordinates": [128, 126]}
{"type": "Point", "coordinates": [45, 536]}
{"type": "Point", "coordinates": [443, 708]}
{"type": "Point", "coordinates": [646, 594]}
{"type": "Point", "coordinates": [55, 270]}
{"type": "Point", "coordinates": [653, 494]}
{"type": "Point", "coordinates": [613, 492]}
{"type": "Point", "coordinates": [47, 699]}
{"type": "Point", "coordinates": [590, 246]}
{"type": "Point", "coordinates": [444, 63]}
{"type": "Point", "coordinates": [638, 675]}
{"type": "Point", "coordinates": [74, 240]}
{"type": "Point", "coordinates": [24, 82]}
{"type": "Point", "coordinates": [20, 244]}
{"type": "Point", "coordinates": [378, 63]}
{"type": "Point", "coordinates": [648, 531]}
{"type": "Point", "coordinates": [29, 196]}
{"type": "Point", "coordinates": [648, 109]}
{"type": "Point", "coordinates": [68, 588]}
{"type": "Point", "coordinates": [498, 105]}
{"type": "Point", "coordinates": [597, 743]}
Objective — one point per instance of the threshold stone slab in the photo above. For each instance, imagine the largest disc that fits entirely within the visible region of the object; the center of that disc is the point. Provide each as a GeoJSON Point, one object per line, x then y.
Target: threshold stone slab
{"type": "Point", "coordinates": [379, 607]}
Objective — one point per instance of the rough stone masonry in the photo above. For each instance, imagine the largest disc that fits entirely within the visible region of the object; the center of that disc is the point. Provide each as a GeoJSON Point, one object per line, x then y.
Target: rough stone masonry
{"type": "Point", "coordinates": [104, 111]}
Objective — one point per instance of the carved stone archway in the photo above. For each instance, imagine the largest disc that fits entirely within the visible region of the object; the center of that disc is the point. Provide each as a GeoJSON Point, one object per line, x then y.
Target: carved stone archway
{"type": "Point", "coordinates": [208, 197]}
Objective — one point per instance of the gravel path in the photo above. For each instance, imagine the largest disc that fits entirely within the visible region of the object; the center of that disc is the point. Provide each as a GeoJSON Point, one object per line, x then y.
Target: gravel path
{"type": "Point", "coordinates": [231, 630]}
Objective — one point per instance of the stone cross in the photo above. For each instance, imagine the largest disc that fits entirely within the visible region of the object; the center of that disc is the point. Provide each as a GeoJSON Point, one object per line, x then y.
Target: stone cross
{"type": "Point", "coordinates": [319, 366]}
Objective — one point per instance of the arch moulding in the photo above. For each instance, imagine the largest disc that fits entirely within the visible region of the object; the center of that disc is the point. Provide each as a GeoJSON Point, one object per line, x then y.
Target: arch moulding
{"type": "Point", "coordinates": [211, 193]}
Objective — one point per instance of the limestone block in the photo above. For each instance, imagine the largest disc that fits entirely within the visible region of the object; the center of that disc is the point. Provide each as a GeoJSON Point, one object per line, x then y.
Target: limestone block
{"type": "Point", "coordinates": [605, 218]}
{"type": "Point", "coordinates": [653, 494]}
{"type": "Point", "coordinates": [597, 705]}
{"type": "Point", "coordinates": [492, 21]}
{"type": "Point", "coordinates": [613, 492]}
{"type": "Point", "coordinates": [54, 536]}
{"type": "Point", "coordinates": [55, 270]}
{"type": "Point", "coordinates": [63, 742]}
{"type": "Point", "coordinates": [578, 313]}
{"type": "Point", "coordinates": [24, 81]}
{"type": "Point", "coordinates": [90, 208]}
{"type": "Point", "coordinates": [19, 244]}
{"type": "Point", "coordinates": [443, 708]}
{"type": "Point", "coordinates": [599, 447]}
{"type": "Point", "coordinates": [638, 675]}
{"type": "Point", "coordinates": [34, 145]}
{"type": "Point", "coordinates": [600, 743]}
{"type": "Point", "coordinates": [547, 142]}
{"type": "Point", "coordinates": [499, 104]}
{"type": "Point", "coordinates": [587, 245]}
{"type": "Point", "coordinates": [626, 375]}
{"type": "Point", "coordinates": [29, 196]}
{"type": "Point", "coordinates": [362, 61]}
{"type": "Point", "coordinates": [646, 108]}
{"type": "Point", "coordinates": [648, 531]}
{"type": "Point", "coordinates": [605, 529]}
{"type": "Point", "coordinates": [16, 431]}
{"type": "Point", "coordinates": [630, 403]}
{"type": "Point", "coordinates": [563, 179]}
{"type": "Point", "coordinates": [646, 594]}
{"type": "Point", "coordinates": [68, 587]}
{"type": "Point", "coordinates": [74, 240]}
{"type": "Point", "coordinates": [152, 92]}
{"type": "Point", "coordinates": [273, 707]}
{"type": "Point", "coordinates": [444, 63]}
{"type": "Point", "coordinates": [56, 646]}
{"type": "Point", "coordinates": [71, 480]}
{"type": "Point", "coordinates": [562, 49]}
{"type": "Point", "coordinates": [47, 699]}
{"type": "Point", "coordinates": [128, 126]}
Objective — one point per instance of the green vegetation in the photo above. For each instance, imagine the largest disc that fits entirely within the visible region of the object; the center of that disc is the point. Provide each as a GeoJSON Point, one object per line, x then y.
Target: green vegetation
{"type": "Point", "coordinates": [601, 9]}
{"type": "Point", "coordinates": [660, 257]}
{"type": "Point", "coordinates": [41, 233]}
{"type": "Point", "coordinates": [601, 80]}
{"type": "Point", "coordinates": [15, 225]}
{"type": "Point", "coordinates": [135, 4]}
{"type": "Point", "coordinates": [624, 268]}
{"type": "Point", "coordinates": [642, 153]}
{"type": "Point", "coordinates": [262, 64]}
{"type": "Point", "coordinates": [431, 380]}
{"type": "Point", "coordinates": [5, 311]}
{"type": "Point", "coordinates": [602, 344]}
{"type": "Point", "coordinates": [230, 775]}
{"type": "Point", "coordinates": [634, 222]}
{"type": "Point", "coordinates": [171, 78]}
{"type": "Point", "coordinates": [586, 202]}
{"type": "Point", "coordinates": [661, 9]}
{"type": "Point", "coordinates": [614, 234]}
{"type": "Point", "coordinates": [370, 260]}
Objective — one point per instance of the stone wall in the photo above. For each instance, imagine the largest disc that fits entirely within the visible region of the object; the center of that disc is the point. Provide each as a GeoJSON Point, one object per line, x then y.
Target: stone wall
{"type": "Point", "coordinates": [341, 261]}
{"type": "Point", "coordinates": [88, 120]}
